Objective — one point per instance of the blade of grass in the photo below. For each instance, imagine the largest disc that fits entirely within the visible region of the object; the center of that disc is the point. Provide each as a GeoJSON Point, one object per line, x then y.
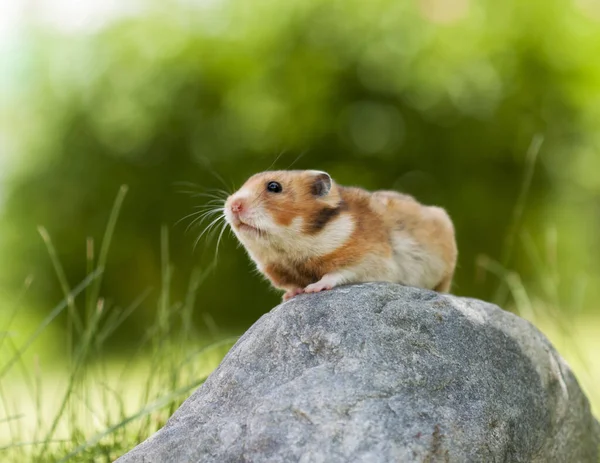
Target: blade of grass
{"type": "Point", "coordinates": [93, 294]}
{"type": "Point", "coordinates": [73, 318]}
{"type": "Point", "coordinates": [164, 303]}
{"type": "Point", "coordinates": [89, 408]}
{"type": "Point", "coordinates": [116, 395]}
{"type": "Point", "coordinates": [27, 381]}
{"type": "Point", "coordinates": [147, 340]}
{"type": "Point", "coordinates": [12, 418]}
{"type": "Point", "coordinates": [523, 304]}
{"type": "Point", "coordinates": [37, 373]}
{"type": "Point", "coordinates": [17, 305]}
{"type": "Point", "coordinates": [89, 268]}
{"type": "Point", "coordinates": [32, 443]}
{"type": "Point", "coordinates": [515, 224]}
{"type": "Point", "coordinates": [109, 328]}
{"type": "Point", "coordinates": [6, 405]}
{"type": "Point", "coordinates": [105, 246]}
{"type": "Point", "coordinates": [551, 242]}
{"type": "Point", "coordinates": [145, 411]}
{"type": "Point", "coordinates": [55, 312]}
{"type": "Point", "coordinates": [79, 360]}
{"type": "Point", "coordinates": [5, 336]}
{"type": "Point", "coordinates": [530, 162]}
{"type": "Point", "coordinates": [198, 276]}
{"type": "Point", "coordinates": [164, 309]}
{"type": "Point", "coordinates": [93, 321]}
{"type": "Point", "coordinates": [213, 329]}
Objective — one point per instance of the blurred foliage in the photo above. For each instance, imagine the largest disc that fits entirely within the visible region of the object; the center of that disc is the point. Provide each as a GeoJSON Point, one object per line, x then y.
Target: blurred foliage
{"type": "Point", "coordinates": [440, 99]}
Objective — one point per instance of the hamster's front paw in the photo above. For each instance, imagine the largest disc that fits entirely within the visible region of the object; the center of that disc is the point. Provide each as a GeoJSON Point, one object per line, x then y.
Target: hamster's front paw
{"type": "Point", "coordinates": [318, 286]}
{"type": "Point", "coordinates": [292, 293]}
{"type": "Point", "coordinates": [329, 280]}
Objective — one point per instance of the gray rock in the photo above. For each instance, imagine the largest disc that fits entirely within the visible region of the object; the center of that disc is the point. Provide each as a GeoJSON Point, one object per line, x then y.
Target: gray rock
{"type": "Point", "coordinates": [383, 373]}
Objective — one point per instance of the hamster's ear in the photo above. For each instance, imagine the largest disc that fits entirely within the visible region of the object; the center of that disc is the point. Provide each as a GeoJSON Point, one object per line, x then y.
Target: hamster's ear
{"type": "Point", "coordinates": [321, 184]}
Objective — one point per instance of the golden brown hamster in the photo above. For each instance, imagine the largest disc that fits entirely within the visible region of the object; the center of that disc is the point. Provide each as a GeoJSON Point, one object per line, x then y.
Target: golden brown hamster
{"type": "Point", "coordinates": [307, 234]}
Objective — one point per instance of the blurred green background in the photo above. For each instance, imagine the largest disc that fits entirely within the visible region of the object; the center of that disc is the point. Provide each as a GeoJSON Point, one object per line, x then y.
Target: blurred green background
{"type": "Point", "coordinates": [437, 98]}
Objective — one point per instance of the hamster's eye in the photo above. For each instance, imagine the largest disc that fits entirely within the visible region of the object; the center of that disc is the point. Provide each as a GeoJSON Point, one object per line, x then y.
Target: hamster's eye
{"type": "Point", "coordinates": [274, 187]}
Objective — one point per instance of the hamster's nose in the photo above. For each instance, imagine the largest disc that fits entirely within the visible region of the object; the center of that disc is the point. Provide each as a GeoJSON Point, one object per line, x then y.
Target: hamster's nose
{"type": "Point", "coordinates": [237, 206]}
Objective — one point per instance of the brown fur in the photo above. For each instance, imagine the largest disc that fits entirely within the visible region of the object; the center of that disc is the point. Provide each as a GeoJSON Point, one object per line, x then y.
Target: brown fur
{"type": "Point", "coordinates": [369, 237]}
{"type": "Point", "coordinates": [377, 218]}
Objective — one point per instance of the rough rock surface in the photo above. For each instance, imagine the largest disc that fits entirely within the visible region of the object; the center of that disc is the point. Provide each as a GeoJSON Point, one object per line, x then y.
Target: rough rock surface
{"type": "Point", "coordinates": [383, 373]}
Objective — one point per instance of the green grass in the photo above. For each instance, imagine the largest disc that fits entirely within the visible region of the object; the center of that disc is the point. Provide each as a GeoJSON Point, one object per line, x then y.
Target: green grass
{"type": "Point", "coordinates": [94, 409]}
{"type": "Point", "coordinates": [572, 331]}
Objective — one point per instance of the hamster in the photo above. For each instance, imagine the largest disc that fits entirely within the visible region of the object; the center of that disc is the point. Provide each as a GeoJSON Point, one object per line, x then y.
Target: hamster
{"type": "Point", "coordinates": [306, 234]}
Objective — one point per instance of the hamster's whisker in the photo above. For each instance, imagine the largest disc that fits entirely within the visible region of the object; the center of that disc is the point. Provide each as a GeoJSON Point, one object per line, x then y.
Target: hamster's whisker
{"type": "Point", "coordinates": [211, 209]}
{"type": "Point", "coordinates": [210, 204]}
{"type": "Point", "coordinates": [196, 190]}
{"type": "Point", "coordinates": [209, 195]}
{"type": "Point", "coordinates": [186, 192]}
{"type": "Point", "coordinates": [208, 228]}
{"type": "Point", "coordinates": [205, 215]}
{"type": "Point", "coordinates": [185, 187]}
{"type": "Point", "coordinates": [207, 164]}
{"type": "Point", "coordinates": [211, 225]}
{"type": "Point", "coordinates": [192, 215]}
{"type": "Point", "coordinates": [203, 212]}
{"type": "Point", "coordinates": [220, 191]}
{"type": "Point", "coordinates": [300, 156]}
{"type": "Point", "coordinates": [208, 209]}
{"type": "Point", "coordinates": [213, 231]}
{"type": "Point", "coordinates": [219, 178]}
{"type": "Point", "coordinates": [258, 198]}
{"type": "Point", "coordinates": [223, 228]}
{"type": "Point", "coordinates": [276, 159]}
{"type": "Point", "coordinates": [187, 183]}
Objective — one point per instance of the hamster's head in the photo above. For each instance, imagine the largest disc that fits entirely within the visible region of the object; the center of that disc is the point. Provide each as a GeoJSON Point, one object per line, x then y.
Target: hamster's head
{"type": "Point", "coordinates": [275, 207]}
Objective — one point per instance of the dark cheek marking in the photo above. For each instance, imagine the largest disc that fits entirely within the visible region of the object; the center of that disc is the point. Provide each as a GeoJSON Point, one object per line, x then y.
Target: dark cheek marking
{"type": "Point", "coordinates": [324, 216]}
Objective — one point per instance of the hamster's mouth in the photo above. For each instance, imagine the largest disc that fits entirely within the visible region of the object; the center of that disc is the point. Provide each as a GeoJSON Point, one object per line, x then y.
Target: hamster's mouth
{"type": "Point", "coordinates": [244, 227]}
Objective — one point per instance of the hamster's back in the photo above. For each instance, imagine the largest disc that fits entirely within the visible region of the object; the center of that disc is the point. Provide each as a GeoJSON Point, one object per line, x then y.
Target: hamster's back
{"type": "Point", "coordinates": [422, 236]}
